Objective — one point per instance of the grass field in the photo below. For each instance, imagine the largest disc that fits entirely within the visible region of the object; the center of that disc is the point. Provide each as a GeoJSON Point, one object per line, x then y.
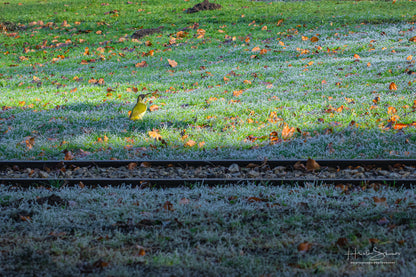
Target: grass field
{"type": "Point", "coordinates": [280, 79]}
{"type": "Point", "coordinates": [255, 79]}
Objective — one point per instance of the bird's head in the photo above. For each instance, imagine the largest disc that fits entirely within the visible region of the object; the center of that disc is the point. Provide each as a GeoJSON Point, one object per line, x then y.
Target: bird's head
{"type": "Point", "coordinates": [141, 97]}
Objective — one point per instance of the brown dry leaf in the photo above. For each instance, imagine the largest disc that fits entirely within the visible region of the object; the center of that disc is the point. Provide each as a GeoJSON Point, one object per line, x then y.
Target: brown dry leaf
{"type": "Point", "coordinates": [379, 200]}
{"type": "Point", "coordinates": [392, 86]}
{"type": "Point", "coordinates": [30, 142]}
{"type": "Point", "coordinates": [314, 39]}
{"type": "Point", "coordinates": [168, 206]}
{"type": "Point", "coordinates": [373, 240]}
{"type": "Point", "coordinates": [131, 166]}
{"type": "Point", "coordinates": [304, 247]}
{"type": "Point", "coordinates": [253, 199]}
{"type": "Point", "coordinates": [312, 165]}
{"type": "Point", "coordinates": [287, 132]}
{"type": "Point", "coordinates": [190, 143]}
{"type": "Point", "coordinates": [142, 252]}
{"type": "Point", "coordinates": [399, 126]}
{"type": "Point", "coordinates": [172, 63]}
{"type": "Point", "coordinates": [25, 218]}
{"type": "Point", "coordinates": [342, 242]}
{"type": "Point", "coordinates": [141, 64]}
{"type": "Point", "coordinates": [145, 164]}
{"type": "Point", "coordinates": [412, 39]}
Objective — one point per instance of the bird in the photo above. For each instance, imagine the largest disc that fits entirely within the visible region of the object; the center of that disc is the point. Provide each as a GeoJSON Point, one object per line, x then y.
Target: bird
{"type": "Point", "coordinates": [139, 109]}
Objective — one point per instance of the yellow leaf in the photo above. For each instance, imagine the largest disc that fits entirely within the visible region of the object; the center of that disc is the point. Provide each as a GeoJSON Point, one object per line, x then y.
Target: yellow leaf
{"type": "Point", "coordinates": [304, 38]}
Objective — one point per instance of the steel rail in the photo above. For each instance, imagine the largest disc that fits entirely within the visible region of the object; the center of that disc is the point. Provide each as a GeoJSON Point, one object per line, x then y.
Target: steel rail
{"type": "Point", "coordinates": [176, 182]}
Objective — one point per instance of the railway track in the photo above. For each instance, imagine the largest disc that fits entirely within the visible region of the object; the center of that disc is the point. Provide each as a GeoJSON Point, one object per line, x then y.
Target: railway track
{"type": "Point", "coordinates": [174, 173]}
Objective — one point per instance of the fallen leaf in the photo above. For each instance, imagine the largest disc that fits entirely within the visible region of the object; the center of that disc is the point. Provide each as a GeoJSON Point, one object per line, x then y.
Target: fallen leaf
{"type": "Point", "coordinates": [168, 206]}
{"type": "Point", "coordinates": [287, 132]}
{"type": "Point", "coordinates": [131, 166]}
{"type": "Point", "coordinates": [154, 134]}
{"type": "Point", "coordinates": [141, 64]}
{"type": "Point", "coordinates": [153, 108]}
{"type": "Point", "coordinates": [172, 63]}
{"type": "Point", "coordinates": [304, 247]}
{"type": "Point", "coordinates": [312, 165]}
{"type": "Point", "coordinates": [190, 143]}
{"type": "Point", "coordinates": [392, 86]}
{"type": "Point", "coordinates": [314, 39]}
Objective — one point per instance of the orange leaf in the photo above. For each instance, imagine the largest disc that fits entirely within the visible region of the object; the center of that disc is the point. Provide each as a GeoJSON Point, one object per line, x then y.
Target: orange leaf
{"type": "Point", "coordinates": [247, 82]}
{"type": "Point", "coordinates": [201, 144]}
{"type": "Point", "coordinates": [190, 143]}
{"type": "Point", "coordinates": [409, 58]}
{"type": "Point", "coordinates": [237, 93]}
{"type": "Point", "coordinates": [391, 110]}
{"type": "Point", "coordinates": [154, 134]}
{"type": "Point", "coordinates": [153, 108]}
{"type": "Point", "coordinates": [264, 27]}
{"type": "Point", "coordinates": [312, 165]}
{"type": "Point", "coordinates": [392, 86]}
{"type": "Point", "coordinates": [142, 252]}
{"type": "Point", "coordinates": [412, 39]}
{"type": "Point", "coordinates": [399, 126]}
{"type": "Point", "coordinates": [273, 137]}
{"type": "Point", "coordinates": [141, 64]}
{"type": "Point", "coordinates": [304, 38]}
{"type": "Point", "coordinates": [172, 63]}
{"type": "Point", "coordinates": [356, 56]}
{"type": "Point", "coordinates": [287, 132]}
{"type": "Point", "coordinates": [314, 39]}
{"type": "Point", "coordinates": [255, 49]}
